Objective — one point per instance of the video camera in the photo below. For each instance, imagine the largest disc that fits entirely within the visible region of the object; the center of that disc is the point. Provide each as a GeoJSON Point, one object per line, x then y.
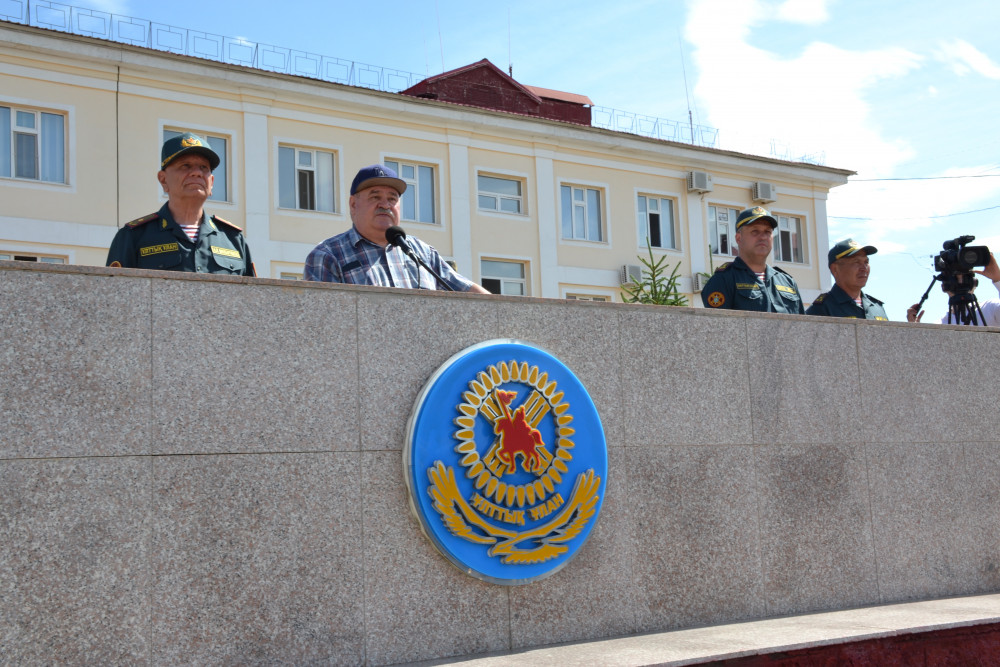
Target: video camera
{"type": "Point", "coordinates": [956, 261]}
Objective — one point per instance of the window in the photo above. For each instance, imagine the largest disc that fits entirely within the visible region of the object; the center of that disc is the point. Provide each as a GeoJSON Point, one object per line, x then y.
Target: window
{"type": "Point", "coordinates": [500, 194]}
{"type": "Point", "coordinates": [220, 187]}
{"type": "Point", "coordinates": [587, 297]}
{"type": "Point", "coordinates": [788, 240]}
{"type": "Point", "coordinates": [21, 257]}
{"type": "Point", "coordinates": [305, 179]}
{"type": "Point", "coordinates": [502, 277]}
{"type": "Point", "coordinates": [288, 275]}
{"type": "Point", "coordinates": [656, 222]}
{"type": "Point", "coordinates": [417, 203]}
{"type": "Point", "coordinates": [32, 145]}
{"type": "Point", "coordinates": [581, 213]}
{"type": "Point", "coordinates": [721, 225]}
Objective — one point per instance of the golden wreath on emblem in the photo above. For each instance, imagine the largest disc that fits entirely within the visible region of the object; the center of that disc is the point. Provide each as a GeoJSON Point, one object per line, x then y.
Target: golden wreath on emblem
{"type": "Point", "coordinates": [716, 299]}
{"type": "Point", "coordinates": [187, 142]}
{"type": "Point", "coordinates": [497, 507]}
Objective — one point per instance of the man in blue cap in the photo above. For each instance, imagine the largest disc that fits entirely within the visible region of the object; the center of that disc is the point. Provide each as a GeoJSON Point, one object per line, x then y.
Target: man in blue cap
{"type": "Point", "coordinates": [363, 255]}
{"type": "Point", "coordinates": [748, 283]}
{"type": "Point", "coordinates": [848, 262]}
{"type": "Point", "coordinates": [181, 236]}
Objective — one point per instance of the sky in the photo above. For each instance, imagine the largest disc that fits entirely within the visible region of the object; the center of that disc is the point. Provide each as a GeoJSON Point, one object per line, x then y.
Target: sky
{"type": "Point", "coordinates": [906, 94]}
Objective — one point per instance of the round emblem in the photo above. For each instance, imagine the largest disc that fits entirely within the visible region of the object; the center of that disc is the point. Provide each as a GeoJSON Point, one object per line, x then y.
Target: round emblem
{"type": "Point", "coordinates": [506, 462]}
{"type": "Point", "coordinates": [716, 299]}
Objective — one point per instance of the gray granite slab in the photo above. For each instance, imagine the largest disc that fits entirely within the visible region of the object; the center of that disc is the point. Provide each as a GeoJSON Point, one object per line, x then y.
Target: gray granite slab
{"type": "Point", "coordinates": [418, 605]}
{"type": "Point", "coordinates": [584, 336]}
{"type": "Point", "coordinates": [402, 339]}
{"type": "Point", "coordinates": [925, 536]}
{"type": "Point", "coordinates": [239, 368]}
{"type": "Point", "coordinates": [255, 560]}
{"type": "Point", "coordinates": [915, 380]}
{"type": "Point", "coordinates": [815, 525]}
{"type": "Point", "coordinates": [594, 594]}
{"type": "Point", "coordinates": [75, 365]}
{"type": "Point", "coordinates": [695, 535]}
{"type": "Point", "coordinates": [684, 377]}
{"type": "Point", "coordinates": [982, 467]}
{"type": "Point", "coordinates": [74, 561]}
{"type": "Point", "coordinates": [804, 381]}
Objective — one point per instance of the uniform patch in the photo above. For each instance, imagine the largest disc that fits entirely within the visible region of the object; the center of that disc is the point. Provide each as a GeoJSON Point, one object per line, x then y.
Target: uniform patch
{"type": "Point", "coordinates": [144, 219]}
{"type": "Point", "coordinates": [724, 267]}
{"type": "Point", "coordinates": [505, 461]}
{"type": "Point", "coordinates": [747, 286]}
{"type": "Point", "coordinates": [716, 299]}
{"type": "Point", "coordinates": [115, 263]}
{"type": "Point", "coordinates": [785, 288]}
{"type": "Point", "coordinates": [158, 249]}
{"type": "Point", "coordinates": [821, 297]}
{"type": "Point", "coordinates": [226, 252]}
{"type": "Point", "coordinates": [226, 223]}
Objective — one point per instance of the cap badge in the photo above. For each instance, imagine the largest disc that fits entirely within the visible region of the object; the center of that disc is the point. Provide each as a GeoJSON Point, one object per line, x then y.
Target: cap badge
{"type": "Point", "coordinates": [188, 142]}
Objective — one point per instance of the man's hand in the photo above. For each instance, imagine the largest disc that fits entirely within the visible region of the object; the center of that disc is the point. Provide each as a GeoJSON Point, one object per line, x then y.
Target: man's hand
{"type": "Point", "coordinates": [912, 315]}
{"type": "Point", "coordinates": [992, 270]}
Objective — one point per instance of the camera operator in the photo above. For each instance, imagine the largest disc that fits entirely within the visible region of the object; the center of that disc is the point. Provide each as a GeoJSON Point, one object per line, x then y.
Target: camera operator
{"type": "Point", "coordinates": [990, 308]}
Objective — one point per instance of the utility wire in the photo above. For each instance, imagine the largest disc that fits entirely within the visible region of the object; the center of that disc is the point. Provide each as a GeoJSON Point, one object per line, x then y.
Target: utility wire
{"type": "Point", "coordinates": [922, 178]}
{"type": "Point", "coordinates": [921, 217]}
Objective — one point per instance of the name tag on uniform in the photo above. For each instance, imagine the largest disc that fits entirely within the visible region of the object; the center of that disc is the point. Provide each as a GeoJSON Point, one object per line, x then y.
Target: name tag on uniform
{"type": "Point", "coordinates": [785, 288]}
{"type": "Point", "coordinates": [746, 285]}
{"type": "Point", "coordinates": [225, 252]}
{"type": "Point", "coordinates": [157, 249]}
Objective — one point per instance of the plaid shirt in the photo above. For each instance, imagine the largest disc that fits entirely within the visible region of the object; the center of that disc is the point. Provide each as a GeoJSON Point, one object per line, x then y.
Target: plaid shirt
{"type": "Point", "coordinates": [351, 258]}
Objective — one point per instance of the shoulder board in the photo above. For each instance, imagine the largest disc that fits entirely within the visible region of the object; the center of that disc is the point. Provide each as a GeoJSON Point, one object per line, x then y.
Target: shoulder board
{"type": "Point", "coordinates": [138, 222]}
{"type": "Point", "coordinates": [724, 267]}
{"type": "Point", "coordinates": [219, 220]}
{"type": "Point", "coordinates": [874, 300]}
{"type": "Point", "coordinates": [782, 271]}
{"type": "Point", "coordinates": [820, 298]}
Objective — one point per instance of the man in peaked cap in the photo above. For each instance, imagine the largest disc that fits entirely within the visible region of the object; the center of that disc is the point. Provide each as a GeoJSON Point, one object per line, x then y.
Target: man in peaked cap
{"type": "Point", "coordinates": [848, 262]}
{"type": "Point", "coordinates": [748, 283]}
{"type": "Point", "coordinates": [363, 255]}
{"type": "Point", "coordinates": [181, 236]}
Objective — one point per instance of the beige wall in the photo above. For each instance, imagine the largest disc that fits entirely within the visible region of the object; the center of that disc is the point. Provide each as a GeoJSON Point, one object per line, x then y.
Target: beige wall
{"type": "Point", "coordinates": [119, 99]}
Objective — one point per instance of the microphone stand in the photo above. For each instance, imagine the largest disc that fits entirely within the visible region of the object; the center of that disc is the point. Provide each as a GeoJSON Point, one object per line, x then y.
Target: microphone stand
{"type": "Point", "coordinates": [398, 239]}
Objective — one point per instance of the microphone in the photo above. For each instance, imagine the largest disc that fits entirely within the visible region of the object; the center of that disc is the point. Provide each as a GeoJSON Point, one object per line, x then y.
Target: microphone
{"type": "Point", "coordinates": [397, 237]}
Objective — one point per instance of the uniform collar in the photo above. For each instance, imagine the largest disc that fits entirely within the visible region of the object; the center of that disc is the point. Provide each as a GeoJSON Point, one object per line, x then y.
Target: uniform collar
{"type": "Point", "coordinates": [204, 229]}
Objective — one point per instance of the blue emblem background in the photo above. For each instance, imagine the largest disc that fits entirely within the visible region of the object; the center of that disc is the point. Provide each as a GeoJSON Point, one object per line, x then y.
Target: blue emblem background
{"type": "Point", "coordinates": [431, 438]}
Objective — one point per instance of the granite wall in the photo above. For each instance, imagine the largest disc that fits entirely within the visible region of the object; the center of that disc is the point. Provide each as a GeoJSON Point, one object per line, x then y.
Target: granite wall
{"type": "Point", "coordinates": [208, 470]}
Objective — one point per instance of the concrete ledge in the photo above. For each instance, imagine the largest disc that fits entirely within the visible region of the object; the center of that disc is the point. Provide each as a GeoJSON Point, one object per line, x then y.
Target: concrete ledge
{"type": "Point", "coordinates": [740, 640]}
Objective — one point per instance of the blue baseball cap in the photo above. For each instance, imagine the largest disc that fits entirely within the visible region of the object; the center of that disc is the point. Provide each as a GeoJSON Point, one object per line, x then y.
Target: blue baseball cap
{"type": "Point", "coordinates": [377, 174]}
{"type": "Point", "coordinates": [184, 144]}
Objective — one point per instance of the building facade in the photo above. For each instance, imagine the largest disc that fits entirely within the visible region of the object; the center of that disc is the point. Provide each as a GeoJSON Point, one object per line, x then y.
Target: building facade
{"type": "Point", "coordinates": [523, 204]}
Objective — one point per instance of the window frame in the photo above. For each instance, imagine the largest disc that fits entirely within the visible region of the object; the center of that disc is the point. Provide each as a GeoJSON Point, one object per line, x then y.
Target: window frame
{"type": "Point", "coordinates": [37, 108]}
{"type": "Point", "coordinates": [803, 246]}
{"type": "Point", "coordinates": [520, 179]}
{"type": "Point", "coordinates": [40, 256]}
{"type": "Point", "coordinates": [228, 160]}
{"type": "Point", "coordinates": [643, 225]}
{"type": "Point", "coordinates": [339, 197]}
{"type": "Point", "coordinates": [604, 207]}
{"type": "Point", "coordinates": [525, 264]}
{"type": "Point", "coordinates": [414, 186]}
{"type": "Point", "coordinates": [711, 225]}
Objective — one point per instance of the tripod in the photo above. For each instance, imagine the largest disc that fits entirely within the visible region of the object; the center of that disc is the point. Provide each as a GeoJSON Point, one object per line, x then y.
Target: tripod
{"type": "Point", "coordinates": [963, 306]}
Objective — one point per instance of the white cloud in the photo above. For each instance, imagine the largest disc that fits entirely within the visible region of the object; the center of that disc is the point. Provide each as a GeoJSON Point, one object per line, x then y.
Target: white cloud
{"type": "Point", "coordinates": [964, 57]}
{"type": "Point", "coordinates": [807, 12]}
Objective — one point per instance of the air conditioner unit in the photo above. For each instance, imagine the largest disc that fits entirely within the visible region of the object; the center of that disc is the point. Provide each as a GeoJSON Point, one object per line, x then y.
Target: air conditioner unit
{"type": "Point", "coordinates": [699, 181]}
{"type": "Point", "coordinates": [630, 273]}
{"type": "Point", "coordinates": [698, 280]}
{"type": "Point", "coordinates": [764, 192]}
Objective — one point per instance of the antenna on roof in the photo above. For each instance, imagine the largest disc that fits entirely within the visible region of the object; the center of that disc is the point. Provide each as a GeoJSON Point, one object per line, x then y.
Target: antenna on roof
{"type": "Point", "coordinates": [510, 64]}
{"type": "Point", "coordinates": [437, 10]}
{"type": "Point", "coordinates": [687, 97]}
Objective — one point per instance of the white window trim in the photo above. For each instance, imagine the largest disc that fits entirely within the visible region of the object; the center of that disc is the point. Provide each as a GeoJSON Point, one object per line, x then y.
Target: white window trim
{"type": "Point", "coordinates": [70, 111]}
{"type": "Point", "coordinates": [605, 213]}
{"type": "Point", "coordinates": [564, 292]}
{"type": "Point", "coordinates": [341, 193]}
{"type": "Point", "coordinates": [439, 177]}
{"type": "Point", "coordinates": [525, 214]}
{"type": "Point", "coordinates": [525, 260]}
{"type": "Point", "coordinates": [34, 249]}
{"type": "Point", "coordinates": [678, 228]}
{"type": "Point", "coordinates": [806, 230]}
{"type": "Point", "coordinates": [739, 206]}
{"type": "Point", "coordinates": [233, 157]}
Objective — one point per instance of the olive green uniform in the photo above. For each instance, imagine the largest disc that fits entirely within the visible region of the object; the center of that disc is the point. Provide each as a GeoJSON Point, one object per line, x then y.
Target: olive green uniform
{"type": "Point", "coordinates": [735, 286]}
{"type": "Point", "coordinates": [838, 303]}
{"type": "Point", "coordinates": [156, 241]}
